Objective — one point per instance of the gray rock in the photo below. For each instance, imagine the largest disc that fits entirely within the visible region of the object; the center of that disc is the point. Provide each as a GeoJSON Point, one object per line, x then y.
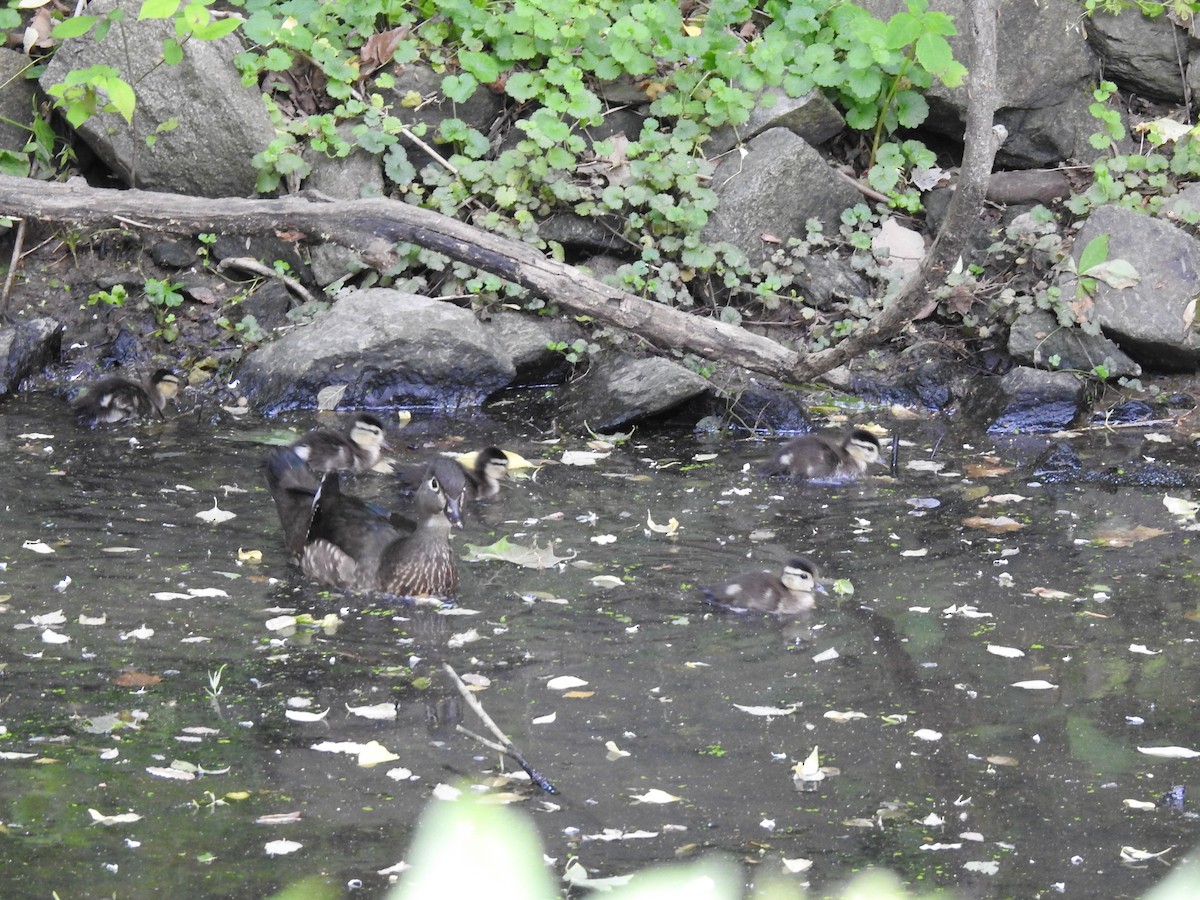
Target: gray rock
{"type": "Point", "coordinates": [779, 185]}
{"type": "Point", "coordinates": [526, 339]}
{"type": "Point", "coordinates": [811, 117]}
{"type": "Point", "coordinates": [16, 100]}
{"type": "Point", "coordinates": [1037, 337]}
{"type": "Point", "coordinates": [1142, 54]}
{"type": "Point", "coordinates": [1026, 401]}
{"type": "Point", "coordinates": [1184, 206]}
{"type": "Point", "coordinates": [222, 123]}
{"type": "Point", "coordinates": [1153, 320]}
{"type": "Point", "coordinates": [27, 348]}
{"type": "Point", "coordinates": [360, 174]}
{"type": "Point", "coordinates": [390, 349]}
{"type": "Point", "coordinates": [619, 390]}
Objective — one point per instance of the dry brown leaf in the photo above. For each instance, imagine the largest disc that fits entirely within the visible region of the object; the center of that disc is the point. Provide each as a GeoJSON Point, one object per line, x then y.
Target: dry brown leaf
{"type": "Point", "coordinates": [994, 524]}
{"type": "Point", "coordinates": [579, 695]}
{"type": "Point", "coordinates": [136, 679]}
{"type": "Point", "coordinates": [1127, 537]}
{"type": "Point", "coordinates": [1050, 593]}
{"type": "Point", "coordinates": [378, 49]}
{"type": "Point", "coordinates": [986, 469]}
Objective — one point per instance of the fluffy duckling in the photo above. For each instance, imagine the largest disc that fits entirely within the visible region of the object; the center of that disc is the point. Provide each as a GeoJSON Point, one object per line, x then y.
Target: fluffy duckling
{"type": "Point", "coordinates": [816, 457]}
{"type": "Point", "coordinates": [358, 449]}
{"type": "Point", "coordinates": [484, 477]}
{"type": "Point", "coordinates": [115, 399]}
{"type": "Point", "coordinates": [341, 541]}
{"type": "Point", "coordinates": [788, 593]}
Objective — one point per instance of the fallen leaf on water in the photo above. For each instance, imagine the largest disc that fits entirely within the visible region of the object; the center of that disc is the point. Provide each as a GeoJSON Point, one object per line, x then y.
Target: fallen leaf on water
{"type": "Point", "coordinates": [300, 715]}
{"type": "Point", "coordinates": [924, 465]}
{"type": "Point", "coordinates": [1169, 752]}
{"type": "Point", "coordinates": [565, 682]}
{"type": "Point", "coordinates": [927, 734]}
{"type": "Point", "coordinates": [1143, 649]}
{"type": "Point", "coordinates": [1050, 593]}
{"type": "Point", "coordinates": [1003, 498]}
{"type": "Point", "coordinates": [278, 818]}
{"type": "Point", "coordinates": [119, 819]}
{"type": "Point", "coordinates": [582, 457]}
{"type": "Point", "coordinates": [607, 581]}
{"type": "Point", "coordinates": [49, 636]}
{"type": "Point", "coordinates": [50, 618]}
{"type": "Point", "coordinates": [796, 866]}
{"type": "Point", "coordinates": [922, 552]}
{"type": "Point", "coordinates": [1133, 854]}
{"type": "Point", "coordinates": [670, 528]}
{"type": "Point", "coordinates": [768, 710]}
{"type": "Point", "coordinates": [1140, 805]}
{"type": "Point", "coordinates": [281, 848]}
{"type": "Point", "coordinates": [1010, 652]}
{"type": "Point", "coordinates": [984, 867]}
{"type": "Point", "coordinates": [532, 557]}
{"type": "Point", "coordinates": [967, 612]}
{"type": "Point", "coordinates": [92, 620]}
{"type": "Point", "coordinates": [615, 752]}
{"type": "Point", "coordinates": [1009, 761]}
{"type": "Point", "coordinates": [579, 695]}
{"type": "Point", "coordinates": [1178, 506]}
{"type": "Point", "coordinates": [577, 876]}
{"type": "Point", "coordinates": [544, 720]}
{"type": "Point", "coordinates": [38, 546]}
{"type": "Point", "coordinates": [174, 774]}
{"type": "Point", "coordinates": [654, 795]}
{"type": "Point", "coordinates": [216, 515]}
{"type": "Point", "coordinates": [254, 556]}
{"type": "Point", "coordinates": [457, 641]}
{"type": "Point", "coordinates": [604, 539]}
{"type": "Point", "coordinates": [136, 679]}
{"type": "Point", "coordinates": [826, 655]}
{"type": "Point", "coordinates": [1035, 685]}
{"type": "Point", "coordinates": [810, 768]}
{"type": "Point", "coordinates": [994, 524]}
{"type": "Point", "coordinates": [376, 711]}
{"type": "Point", "coordinates": [986, 469]}
{"type": "Point", "coordinates": [375, 753]}
{"type": "Point", "coordinates": [844, 716]}
{"type": "Point", "coordinates": [1126, 537]}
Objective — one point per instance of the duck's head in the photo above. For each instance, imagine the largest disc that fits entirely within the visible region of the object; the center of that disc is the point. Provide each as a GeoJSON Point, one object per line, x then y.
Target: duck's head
{"type": "Point", "coordinates": [491, 464]}
{"type": "Point", "coordinates": [165, 384]}
{"type": "Point", "coordinates": [443, 490]}
{"type": "Point", "coordinates": [863, 448]}
{"type": "Point", "coordinates": [800, 576]}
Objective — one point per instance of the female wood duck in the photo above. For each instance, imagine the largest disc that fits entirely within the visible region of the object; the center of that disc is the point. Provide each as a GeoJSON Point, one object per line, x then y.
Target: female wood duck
{"type": "Point", "coordinates": [115, 399]}
{"type": "Point", "coordinates": [357, 449]}
{"type": "Point", "coordinates": [788, 593]}
{"type": "Point", "coordinates": [815, 457]}
{"type": "Point", "coordinates": [341, 541]}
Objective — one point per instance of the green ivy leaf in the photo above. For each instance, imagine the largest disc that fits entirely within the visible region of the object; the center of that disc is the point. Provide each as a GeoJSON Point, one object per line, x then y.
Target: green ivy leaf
{"type": "Point", "coordinates": [74, 27]}
{"type": "Point", "coordinates": [1093, 254]}
{"type": "Point", "coordinates": [157, 9]}
{"type": "Point", "coordinates": [484, 66]}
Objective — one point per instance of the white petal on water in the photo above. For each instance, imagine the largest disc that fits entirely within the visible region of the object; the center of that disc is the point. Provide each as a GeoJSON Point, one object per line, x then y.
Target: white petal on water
{"type": "Point", "coordinates": [92, 620]}
{"type": "Point", "coordinates": [615, 752]}
{"type": "Point", "coordinates": [1133, 854]}
{"type": "Point", "coordinates": [1169, 752]}
{"type": "Point", "coordinates": [50, 618]}
{"type": "Point", "coordinates": [375, 711]}
{"type": "Point", "coordinates": [444, 791]}
{"type": "Point", "coordinates": [375, 753]}
{"type": "Point", "coordinates": [463, 638]}
{"type": "Point", "coordinates": [768, 710]}
{"type": "Point", "coordinates": [1178, 506]}
{"type": "Point", "coordinates": [971, 836]}
{"type": "Point", "coordinates": [984, 867]}
{"type": "Point", "coordinates": [13, 755]}
{"type": "Point", "coordinates": [138, 634]}
{"type": "Point", "coordinates": [216, 515]}
{"type": "Point", "coordinates": [207, 592]}
{"type": "Point", "coordinates": [38, 546]}
{"type": "Point", "coordinates": [1140, 805]}
{"type": "Point", "coordinates": [604, 539]}
{"type": "Point", "coordinates": [796, 866]}
{"type": "Point", "coordinates": [565, 683]}
{"type": "Point", "coordinates": [848, 716]}
{"type": "Point", "coordinates": [301, 715]}
{"type": "Point", "coordinates": [825, 655]}
{"type": "Point", "coordinates": [338, 747]}
{"type": "Point", "coordinates": [474, 679]}
{"type": "Point", "coordinates": [399, 774]}
{"type": "Point", "coordinates": [49, 636]}
{"type": "Point", "coordinates": [281, 848]}
{"type": "Point", "coordinates": [280, 623]}
{"type": "Point", "coordinates": [607, 581]}
{"type": "Point", "coordinates": [940, 847]}
{"type": "Point", "coordinates": [582, 457]}
{"type": "Point", "coordinates": [1143, 649]}
{"type": "Point", "coordinates": [999, 650]}
{"type": "Point", "coordinates": [545, 720]}
{"type": "Point", "coordinates": [457, 611]}
{"type": "Point", "coordinates": [924, 465]}
{"type": "Point", "coordinates": [1035, 685]}
{"type": "Point", "coordinates": [921, 552]}
{"type": "Point", "coordinates": [173, 774]}
{"type": "Point", "coordinates": [170, 595]}
{"type": "Point", "coordinates": [927, 734]}
{"type": "Point", "coordinates": [654, 795]}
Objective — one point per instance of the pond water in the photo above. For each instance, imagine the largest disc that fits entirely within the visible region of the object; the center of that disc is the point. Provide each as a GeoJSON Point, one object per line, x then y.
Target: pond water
{"type": "Point", "coordinates": [952, 776]}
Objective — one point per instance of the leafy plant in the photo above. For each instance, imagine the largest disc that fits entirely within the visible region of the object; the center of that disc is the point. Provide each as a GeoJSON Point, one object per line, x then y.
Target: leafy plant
{"type": "Point", "coordinates": [115, 297]}
{"type": "Point", "coordinates": [163, 296]}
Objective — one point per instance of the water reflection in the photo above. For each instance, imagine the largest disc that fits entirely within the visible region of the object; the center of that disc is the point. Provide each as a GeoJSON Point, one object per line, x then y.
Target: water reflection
{"type": "Point", "coordinates": [1034, 779]}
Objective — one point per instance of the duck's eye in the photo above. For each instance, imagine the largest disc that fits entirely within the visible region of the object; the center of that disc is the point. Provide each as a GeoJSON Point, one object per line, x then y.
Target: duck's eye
{"type": "Point", "coordinates": [433, 483]}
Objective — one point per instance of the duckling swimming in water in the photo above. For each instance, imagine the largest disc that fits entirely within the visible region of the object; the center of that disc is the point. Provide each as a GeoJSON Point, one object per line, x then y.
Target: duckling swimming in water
{"type": "Point", "coordinates": [341, 541]}
{"type": "Point", "coordinates": [357, 449]}
{"type": "Point", "coordinates": [816, 457]}
{"type": "Point", "coordinates": [116, 399]}
{"type": "Point", "coordinates": [787, 594]}
{"type": "Point", "coordinates": [484, 477]}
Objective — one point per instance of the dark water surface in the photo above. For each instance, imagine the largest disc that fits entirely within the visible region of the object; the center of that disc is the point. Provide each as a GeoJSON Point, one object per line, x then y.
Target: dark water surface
{"type": "Point", "coordinates": [1030, 780]}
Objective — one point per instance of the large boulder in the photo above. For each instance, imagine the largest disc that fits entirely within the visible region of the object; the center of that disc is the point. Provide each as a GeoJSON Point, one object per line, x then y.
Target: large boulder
{"type": "Point", "coordinates": [1153, 320]}
{"type": "Point", "coordinates": [619, 390]}
{"type": "Point", "coordinates": [389, 349]}
{"type": "Point", "coordinates": [222, 123]}
{"type": "Point", "coordinates": [26, 348]}
{"type": "Point", "coordinates": [1145, 55]}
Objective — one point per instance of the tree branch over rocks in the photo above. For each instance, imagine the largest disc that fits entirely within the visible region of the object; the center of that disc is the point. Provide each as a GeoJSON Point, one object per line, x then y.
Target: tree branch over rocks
{"type": "Point", "coordinates": [372, 227]}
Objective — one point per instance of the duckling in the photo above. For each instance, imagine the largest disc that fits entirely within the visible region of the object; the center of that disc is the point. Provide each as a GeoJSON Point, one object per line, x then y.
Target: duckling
{"type": "Point", "coordinates": [357, 449]}
{"type": "Point", "coordinates": [341, 541]}
{"type": "Point", "coordinates": [115, 399]}
{"type": "Point", "coordinates": [820, 458]}
{"type": "Point", "coordinates": [484, 477]}
{"type": "Point", "coordinates": [788, 593]}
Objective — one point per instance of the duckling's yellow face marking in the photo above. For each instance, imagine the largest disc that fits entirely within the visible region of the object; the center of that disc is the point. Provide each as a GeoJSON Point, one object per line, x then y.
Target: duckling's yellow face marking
{"type": "Point", "coordinates": [797, 580]}
{"type": "Point", "coordinates": [168, 387]}
{"type": "Point", "coordinates": [864, 453]}
{"type": "Point", "coordinates": [367, 436]}
{"type": "Point", "coordinates": [496, 469]}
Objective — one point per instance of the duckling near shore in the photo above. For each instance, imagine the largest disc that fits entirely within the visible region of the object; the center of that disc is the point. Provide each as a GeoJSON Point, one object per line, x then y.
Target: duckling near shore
{"type": "Point", "coordinates": [817, 457]}
{"type": "Point", "coordinates": [116, 399]}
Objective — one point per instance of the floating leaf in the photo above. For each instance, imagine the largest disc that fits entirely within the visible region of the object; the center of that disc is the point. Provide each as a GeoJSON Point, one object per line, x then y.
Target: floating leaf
{"type": "Point", "coordinates": [922, 552]}
{"type": "Point", "coordinates": [1050, 593]}
{"type": "Point", "coordinates": [1133, 854]}
{"type": "Point", "coordinates": [844, 716]}
{"type": "Point", "coordinates": [280, 623]}
{"type": "Point", "coordinates": [376, 711]}
{"type": "Point", "coordinates": [565, 683]}
{"type": "Point", "coordinates": [1143, 649]}
{"type": "Point", "coordinates": [1035, 685]}
{"type": "Point", "coordinates": [604, 539]}
{"type": "Point", "coordinates": [984, 867]}
{"type": "Point", "coordinates": [281, 848]}
{"type": "Point", "coordinates": [375, 753]}
{"type": "Point", "coordinates": [216, 515]}
{"type": "Point", "coordinates": [825, 655]}
{"type": "Point", "coordinates": [330, 396]}
{"type": "Point", "coordinates": [138, 634]}
{"type": "Point", "coordinates": [1127, 537]}
{"type": "Point", "coordinates": [92, 620]}
{"type": "Point", "coordinates": [544, 720]}
{"type": "Point", "coordinates": [796, 866]}
{"type": "Point", "coordinates": [582, 457]}
{"type": "Point", "coordinates": [768, 710]}
{"type": "Point", "coordinates": [470, 636]}
{"type": "Point", "coordinates": [532, 557]}
{"type": "Point", "coordinates": [607, 581]}
{"type": "Point", "coordinates": [927, 734]}
{"type": "Point", "coordinates": [1010, 652]}
{"type": "Point", "coordinates": [810, 769]}
{"type": "Point", "coordinates": [288, 818]}
{"type": "Point", "coordinates": [1003, 498]}
{"type": "Point", "coordinates": [1180, 507]}
{"type": "Point", "coordinates": [1140, 805]}
{"type": "Point", "coordinates": [136, 679]}
{"type": "Point", "coordinates": [38, 546]}
{"type": "Point", "coordinates": [967, 612]}
{"type": "Point", "coordinates": [302, 715]}
{"type": "Point", "coordinates": [994, 524]}
{"type": "Point", "coordinates": [670, 528]}
{"type": "Point", "coordinates": [119, 819]}
{"type": "Point", "coordinates": [576, 875]}
{"type": "Point", "coordinates": [250, 556]}
{"type": "Point", "coordinates": [1169, 752]}
{"type": "Point", "coordinates": [49, 636]}
{"type": "Point", "coordinates": [924, 465]}
{"type": "Point", "coordinates": [614, 752]}
{"type": "Point", "coordinates": [171, 773]}
{"type": "Point", "coordinates": [654, 795]}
